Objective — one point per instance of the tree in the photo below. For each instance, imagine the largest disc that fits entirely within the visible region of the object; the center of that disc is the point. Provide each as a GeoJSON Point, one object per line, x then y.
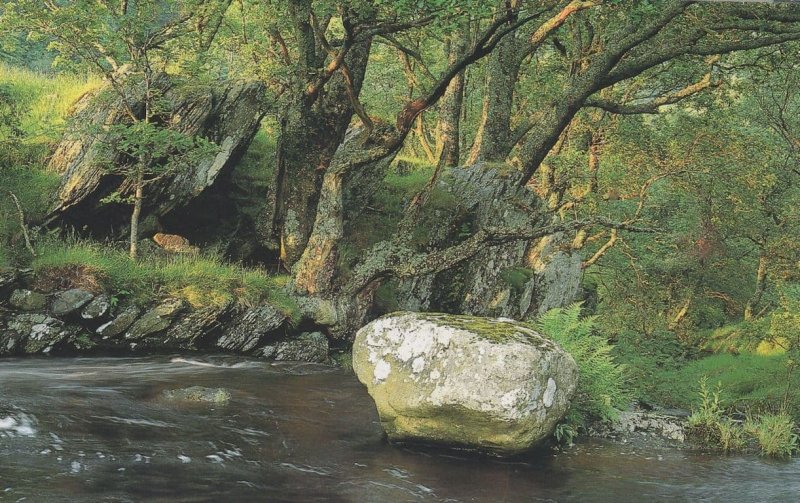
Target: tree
{"type": "Point", "coordinates": [130, 44]}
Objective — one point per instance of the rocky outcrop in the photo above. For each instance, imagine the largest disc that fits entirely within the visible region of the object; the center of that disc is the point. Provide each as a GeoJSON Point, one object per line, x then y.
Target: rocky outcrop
{"type": "Point", "coordinates": [478, 383]}
{"type": "Point", "coordinates": [253, 326]}
{"type": "Point", "coordinates": [307, 347]}
{"type": "Point", "coordinates": [516, 280]}
{"type": "Point", "coordinates": [228, 114]}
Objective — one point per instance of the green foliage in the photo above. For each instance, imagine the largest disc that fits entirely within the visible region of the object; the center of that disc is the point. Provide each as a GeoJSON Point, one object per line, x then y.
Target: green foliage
{"type": "Point", "coordinates": [776, 434]}
{"type": "Point", "coordinates": [516, 277]}
{"type": "Point", "coordinates": [201, 280]}
{"type": "Point", "coordinates": [748, 382]}
{"type": "Point", "coordinates": [709, 422]}
{"type": "Point", "coordinates": [602, 388]}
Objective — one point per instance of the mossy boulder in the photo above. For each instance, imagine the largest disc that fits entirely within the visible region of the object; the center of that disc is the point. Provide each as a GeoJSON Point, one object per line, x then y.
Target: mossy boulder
{"type": "Point", "coordinates": [119, 324]}
{"type": "Point", "coordinates": [69, 301]}
{"type": "Point", "coordinates": [26, 300]}
{"type": "Point", "coordinates": [492, 385]}
{"type": "Point", "coordinates": [156, 320]}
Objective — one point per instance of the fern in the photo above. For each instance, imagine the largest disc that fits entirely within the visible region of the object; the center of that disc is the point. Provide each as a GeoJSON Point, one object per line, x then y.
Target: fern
{"type": "Point", "coordinates": [602, 387]}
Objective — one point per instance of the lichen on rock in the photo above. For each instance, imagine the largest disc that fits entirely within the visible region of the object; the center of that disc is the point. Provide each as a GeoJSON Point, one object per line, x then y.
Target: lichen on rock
{"type": "Point", "coordinates": [487, 384]}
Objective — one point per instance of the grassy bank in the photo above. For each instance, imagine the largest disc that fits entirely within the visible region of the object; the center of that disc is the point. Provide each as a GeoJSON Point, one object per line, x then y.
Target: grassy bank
{"type": "Point", "coordinates": [204, 280]}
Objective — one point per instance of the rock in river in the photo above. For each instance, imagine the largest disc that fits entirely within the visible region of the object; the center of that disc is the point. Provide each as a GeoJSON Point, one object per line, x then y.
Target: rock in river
{"type": "Point", "coordinates": [487, 384]}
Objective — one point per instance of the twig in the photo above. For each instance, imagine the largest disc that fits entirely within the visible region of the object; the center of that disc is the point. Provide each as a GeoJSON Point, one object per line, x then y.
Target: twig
{"type": "Point", "coordinates": [22, 225]}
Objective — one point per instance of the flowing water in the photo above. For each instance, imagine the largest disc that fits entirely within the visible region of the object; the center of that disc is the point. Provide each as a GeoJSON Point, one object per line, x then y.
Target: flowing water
{"type": "Point", "coordinates": [99, 429]}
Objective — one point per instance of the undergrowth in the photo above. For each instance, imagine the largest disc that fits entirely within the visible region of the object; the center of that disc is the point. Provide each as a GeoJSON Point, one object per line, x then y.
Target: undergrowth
{"type": "Point", "coordinates": [602, 385]}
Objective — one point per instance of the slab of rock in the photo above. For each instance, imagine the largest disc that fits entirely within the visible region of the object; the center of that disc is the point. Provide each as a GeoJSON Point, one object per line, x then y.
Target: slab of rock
{"type": "Point", "coordinates": [8, 277]}
{"type": "Point", "coordinates": [156, 320]}
{"type": "Point", "coordinates": [492, 385]}
{"type": "Point", "coordinates": [97, 309]}
{"type": "Point", "coordinates": [307, 347]}
{"type": "Point", "coordinates": [197, 326]}
{"type": "Point", "coordinates": [120, 324]}
{"type": "Point", "coordinates": [26, 300]}
{"type": "Point", "coordinates": [256, 323]}
{"type": "Point", "coordinates": [226, 113]}
{"type": "Point", "coordinates": [32, 333]}
{"type": "Point", "coordinates": [69, 301]}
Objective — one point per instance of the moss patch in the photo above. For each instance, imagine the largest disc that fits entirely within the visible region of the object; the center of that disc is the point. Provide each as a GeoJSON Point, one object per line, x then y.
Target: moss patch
{"type": "Point", "coordinates": [487, 328]}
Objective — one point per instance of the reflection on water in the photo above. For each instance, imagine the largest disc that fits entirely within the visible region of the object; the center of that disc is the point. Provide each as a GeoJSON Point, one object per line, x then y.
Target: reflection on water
{"type": "Point", "coordinates": [98, 429]}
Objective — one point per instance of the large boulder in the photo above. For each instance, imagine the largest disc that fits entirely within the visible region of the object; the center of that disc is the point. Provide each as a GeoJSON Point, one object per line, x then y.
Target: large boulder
{"type": "Point", "coordinates": [26, 300]}
{"type": "Point", "coordinates": [478, 383]}
{"type": "Point", "coordinates": [226, 113]}
{"type": "Point", "coordinates": [69, 301]}
{"type": "Point", "coordinates": [32, 333]}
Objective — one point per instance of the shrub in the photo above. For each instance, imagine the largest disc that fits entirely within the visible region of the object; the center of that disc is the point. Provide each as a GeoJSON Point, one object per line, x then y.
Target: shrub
{"type": "Point", "coordinates": [603, 386]}
{"type": "Point", "coordinates": [775, 434]}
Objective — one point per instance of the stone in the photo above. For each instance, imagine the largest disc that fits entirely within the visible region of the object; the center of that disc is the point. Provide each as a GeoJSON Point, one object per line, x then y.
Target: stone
{"type": "Point", "coordinates": [255, 324]}
{"type": "Point", "coordinates": [197, 326]}
{"type": "Point", "coordinates": [307, 347]}
{"type": "Point", "coordinates": [33, 333]}
{"type": "Point", "coordinates": [97, 309]}
{"type": "Point", "coordinates": [156, 320]}
{"type": "Point", "coordinates": [491, 385]}
{"type": "Point", "coordinates": [120, 323]}
{"type": "Point", "coordinates": [69, 301]}
{"type": "Point", "coordinates": [218, 396]}
{"type": "Point", "coordinates": [8, 278]}
{"type": "Point", "coordinates": [26, 300]}
{"type": "Point", "coordinates": [174, 243]}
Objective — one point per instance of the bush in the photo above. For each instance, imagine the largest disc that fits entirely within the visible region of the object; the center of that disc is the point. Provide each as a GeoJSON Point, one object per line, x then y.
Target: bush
{"type": "Point", "coordinates": [775, 434]}
{"type": "Point", "coordinates": [603, 386]}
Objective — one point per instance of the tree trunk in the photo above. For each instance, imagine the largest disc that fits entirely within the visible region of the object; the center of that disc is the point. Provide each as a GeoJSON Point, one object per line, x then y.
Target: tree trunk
{"type": "Point", "coordinates": [761, 286]}
{"type": "Point", "coordinates": [493, 141]}
{"type": "Point", "coordinates": [449, 126]}
{"type": "Point", "coordinates": [310, 134]}
{"type": "Point", "coordinates": [138, 197]}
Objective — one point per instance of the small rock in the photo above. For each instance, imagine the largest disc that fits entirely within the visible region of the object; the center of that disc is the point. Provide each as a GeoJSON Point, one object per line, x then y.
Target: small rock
{"type": "Point", "coordinates": [218, 396]}
{"type": "Point", "coordinates": [97, 309]}
{"type": "Point", "coordinates": [156, 320]}
{"type": "Point", "coordinates": [33, 333]}
{"type": "Point", "coordinates": [70, 301]}
{"type": "Point", "coordinates": [119, 324]}
{"type": "Point", "coordinates": [246, 332]}
{"type": "Point", "coordinates": [26, 300]}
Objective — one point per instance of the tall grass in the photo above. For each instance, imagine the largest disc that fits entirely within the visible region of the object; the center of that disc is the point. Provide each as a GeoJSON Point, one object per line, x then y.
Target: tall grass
{"type": "Point", "coordinates": [204, 280]}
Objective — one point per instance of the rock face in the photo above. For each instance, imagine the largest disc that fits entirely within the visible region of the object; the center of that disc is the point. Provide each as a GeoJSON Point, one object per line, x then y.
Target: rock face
{"type": "Point", "coordinates": [462, 381]}
{"type": "Point", "coordinates": [228, 114]}
{"type": "Point", "coordinates": [517, 280]}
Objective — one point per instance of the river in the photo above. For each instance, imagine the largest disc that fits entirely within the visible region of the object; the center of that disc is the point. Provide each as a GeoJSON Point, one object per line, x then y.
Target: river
{"type": "Point", "coordinates": [98, 429]}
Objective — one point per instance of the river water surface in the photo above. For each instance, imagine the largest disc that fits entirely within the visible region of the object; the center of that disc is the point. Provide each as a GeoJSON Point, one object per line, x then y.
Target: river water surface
{"type": "Point", "coordinates": [98, 429]}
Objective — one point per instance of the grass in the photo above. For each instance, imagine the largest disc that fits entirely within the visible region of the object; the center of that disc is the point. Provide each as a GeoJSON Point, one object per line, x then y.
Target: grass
{"type": "Point", "coordinates": [202, 281]}
{"type": "Point", "coordinates": [749, 382]}
{"type": "Point", "coordinates": [33, 111]}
